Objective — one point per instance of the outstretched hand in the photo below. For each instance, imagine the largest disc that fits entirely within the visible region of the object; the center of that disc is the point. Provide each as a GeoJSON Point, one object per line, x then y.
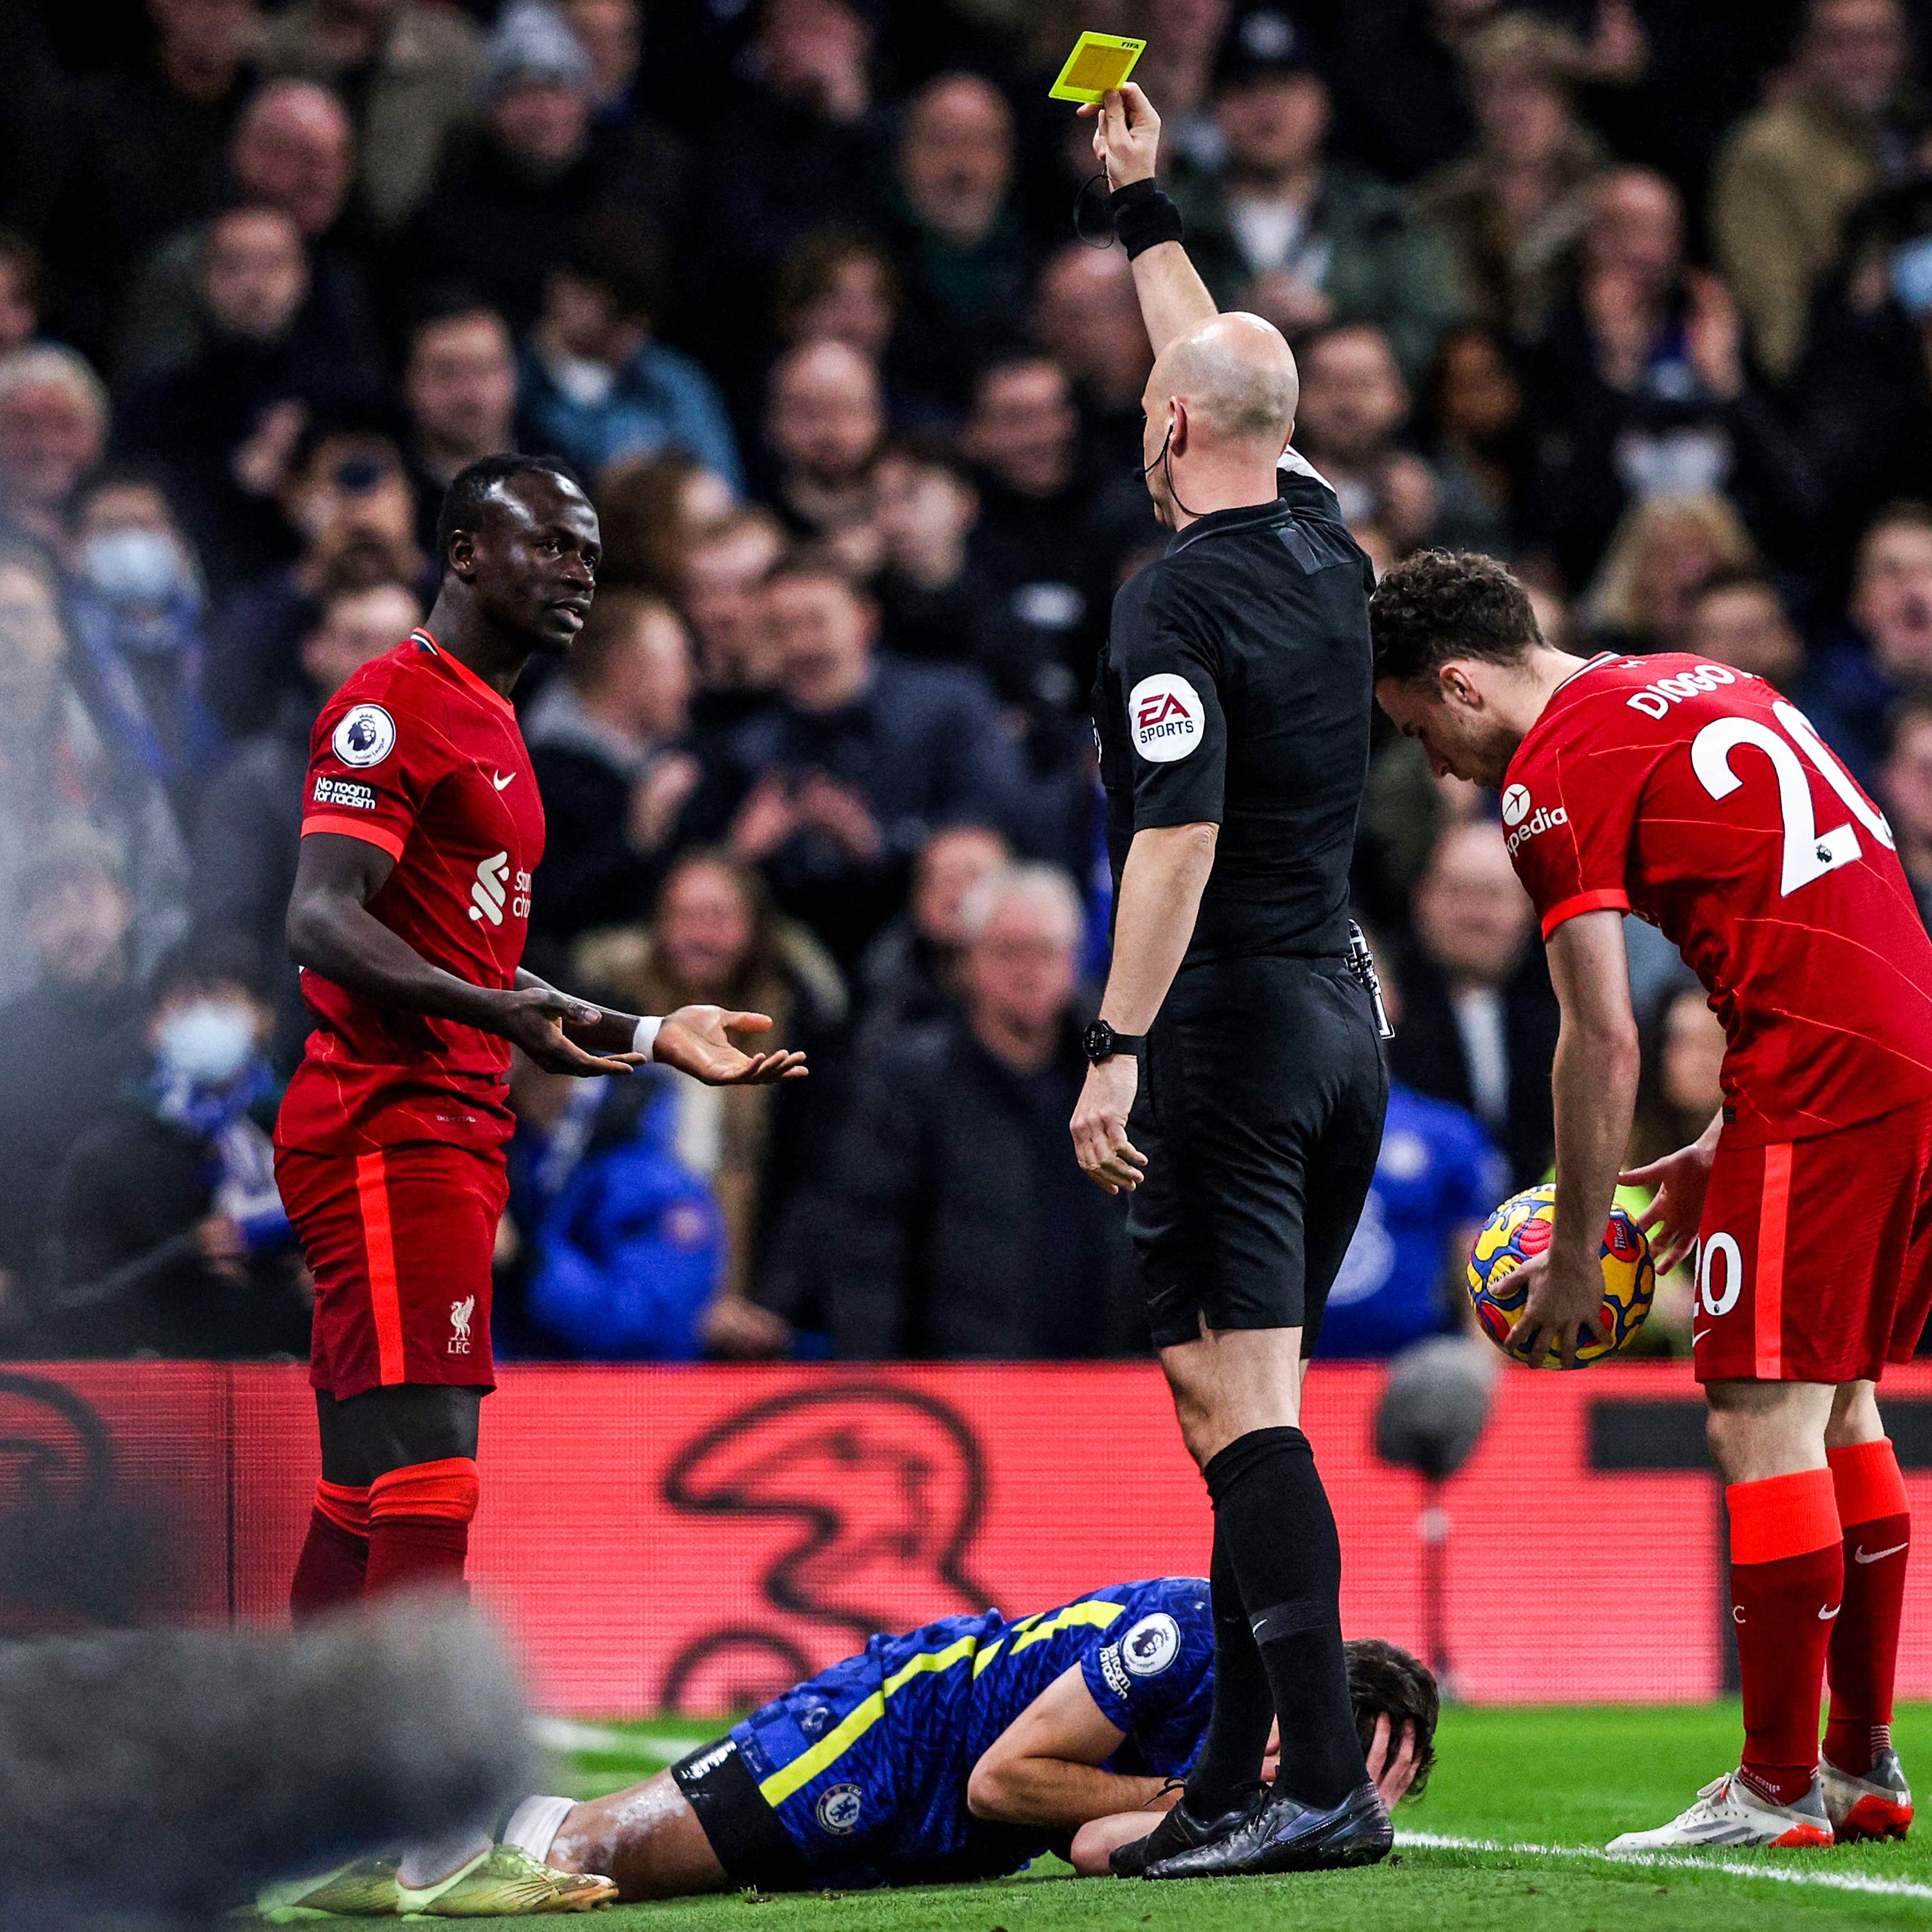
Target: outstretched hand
{"type": "Point", "coordinates": [1681, 1180]}
{"type": "Point", "coordinates": [697, 1040]}
{"type": "Point", "coordinates": [533, 1018]}
{"type": "Point", "coordinates": [1126, 134]}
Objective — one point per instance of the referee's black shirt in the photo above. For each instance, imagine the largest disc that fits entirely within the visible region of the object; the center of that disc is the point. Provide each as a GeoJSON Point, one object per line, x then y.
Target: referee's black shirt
{"type": "Point", "coordinates": [1236, 689]}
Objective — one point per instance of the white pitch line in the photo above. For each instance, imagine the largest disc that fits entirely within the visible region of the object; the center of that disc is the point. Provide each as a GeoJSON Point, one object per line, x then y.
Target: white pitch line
{"type": "Point", "coordinates": [561, 1734]}
{"type": "Point", "coordinates": [1830, 1881]}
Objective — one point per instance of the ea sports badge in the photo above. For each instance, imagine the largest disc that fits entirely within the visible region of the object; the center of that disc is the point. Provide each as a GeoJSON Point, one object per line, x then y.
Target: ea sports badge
{"type": "Point", "coordinates": [366, 736]}
{"type": "Point", "coordinates": [1164, 714]}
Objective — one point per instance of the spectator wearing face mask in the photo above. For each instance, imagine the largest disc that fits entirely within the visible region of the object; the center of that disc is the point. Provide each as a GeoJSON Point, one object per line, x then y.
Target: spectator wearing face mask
{"type": "Point", "coordinates": [53, 432]}
{"type": "Point", "coordinates": [137, 606]}
{"type": "Point", "coordinates": [962, 1234]}
{"type": "Point", "coordinates": [604, 737]}
{"type": "Point", "coordinates": [56, 765]}
{"type": "Point", "coordinates": [597, 387]}
{"type": "Point", "coordinates": [168, 1236]}
{"type": "Point", "coordinates": [345, 497]}
{"type": "Point", "coordinates": [248, 824]}
{"type": "Point", "coordinates": [220, 427]}
{"type": "Point", "coordinates": [1480, 1020]}
{"type": "Point", "coordinates": [714, 939]}
{"type": "Point", "coordinates": [1791, 173]}
{"type": "Point", "coordinates": [293, 149]}
{"type": "Point", "coordinates": [1887, 653]}
{"type": "Point", "coordinates": [67, 1043]}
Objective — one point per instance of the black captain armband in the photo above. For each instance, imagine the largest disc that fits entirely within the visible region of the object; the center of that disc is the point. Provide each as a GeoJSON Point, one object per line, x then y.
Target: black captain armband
{"type": "Point", "coordinates": [1143, 217]}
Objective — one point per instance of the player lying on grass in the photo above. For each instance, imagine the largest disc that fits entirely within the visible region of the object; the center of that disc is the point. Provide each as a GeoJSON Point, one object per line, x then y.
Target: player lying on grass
{"type": "Point", "coordinates": [961, 1751]}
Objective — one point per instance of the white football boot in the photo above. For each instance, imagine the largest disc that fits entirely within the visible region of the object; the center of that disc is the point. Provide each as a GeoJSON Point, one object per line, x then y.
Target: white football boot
{"type": "Point", "coordinates": [1878, 1805]}
{"type": "Point", "coordinates": [1728, 1813]}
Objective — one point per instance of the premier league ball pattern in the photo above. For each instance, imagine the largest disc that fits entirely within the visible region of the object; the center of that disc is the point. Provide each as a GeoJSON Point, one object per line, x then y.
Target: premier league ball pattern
{"type": "Point", "coordinates": [1520, 1228]}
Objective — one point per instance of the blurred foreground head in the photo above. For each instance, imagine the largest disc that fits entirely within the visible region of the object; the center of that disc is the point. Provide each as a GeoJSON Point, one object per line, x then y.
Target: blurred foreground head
{"type": "Point", "coordinates": [162, 1777]}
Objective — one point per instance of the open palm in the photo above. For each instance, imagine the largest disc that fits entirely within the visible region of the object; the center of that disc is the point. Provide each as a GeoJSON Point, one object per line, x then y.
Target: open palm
{"type": "Point", "coordinates": [697, 1040]}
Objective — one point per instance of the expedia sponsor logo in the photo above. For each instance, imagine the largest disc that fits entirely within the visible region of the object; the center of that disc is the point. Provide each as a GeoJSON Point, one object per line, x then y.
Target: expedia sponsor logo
{"type": "Point", "coordinates": [1539, 820]}
{"type": "Point", "coordinates": [1516, 805]}
{"type": "Point", "coordinates": [1654, 700]}
{"type": "Point", "coordinates": [351, 794]}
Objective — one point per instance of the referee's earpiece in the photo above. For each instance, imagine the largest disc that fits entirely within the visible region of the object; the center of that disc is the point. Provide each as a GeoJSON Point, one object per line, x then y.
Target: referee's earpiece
{"type": "Point", "coordinates": [1144, 468]}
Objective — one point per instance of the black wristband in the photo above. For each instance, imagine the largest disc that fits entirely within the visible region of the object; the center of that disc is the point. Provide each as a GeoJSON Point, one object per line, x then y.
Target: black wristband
{"type": "Point", "coordinates": [1143, 217]}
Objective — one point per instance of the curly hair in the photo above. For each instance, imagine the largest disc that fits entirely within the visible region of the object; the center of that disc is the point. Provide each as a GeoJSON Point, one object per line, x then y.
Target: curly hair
{"type": "Point", "coordinates": [1439, 604]}
{"type": "Point", "coordinates": [1384, 1680]}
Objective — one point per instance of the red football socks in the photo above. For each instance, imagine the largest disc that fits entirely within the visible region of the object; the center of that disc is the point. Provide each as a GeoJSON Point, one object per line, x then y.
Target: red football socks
{"type": "Point", "coordinates": [334, 1558]}
{"type": "Point", "coordinates": [419, 1526]}
{"type": "Point", "coordinates": [1877, 1520]}
{"type": "Point", "coordinates": [1787, 1580]}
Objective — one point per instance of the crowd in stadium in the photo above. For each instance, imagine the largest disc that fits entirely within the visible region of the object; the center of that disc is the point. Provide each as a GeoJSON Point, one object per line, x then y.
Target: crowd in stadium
{"type": "Point", "coordinates": [1634, 293]}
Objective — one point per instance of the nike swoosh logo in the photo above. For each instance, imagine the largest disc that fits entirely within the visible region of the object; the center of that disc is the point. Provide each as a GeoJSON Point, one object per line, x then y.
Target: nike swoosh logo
{"type": "Point", "coordinates": [1873, 1555]}
{"type": "Point", "coordinates": [501, 781]}
{"type": "Point", "coordinates": [1697, 1335]}
{"type": "Point", "coordinates": [1825, 1616]}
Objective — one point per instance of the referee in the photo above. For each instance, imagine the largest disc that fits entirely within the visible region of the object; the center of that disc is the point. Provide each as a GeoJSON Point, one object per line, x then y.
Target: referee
{"type": "Point", "coordinates": [1236, 1088]}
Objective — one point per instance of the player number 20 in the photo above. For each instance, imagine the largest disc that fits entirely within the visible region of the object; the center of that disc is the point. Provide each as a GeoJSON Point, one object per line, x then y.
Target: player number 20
{"type": "Point", "coordinates": [1809, 853]}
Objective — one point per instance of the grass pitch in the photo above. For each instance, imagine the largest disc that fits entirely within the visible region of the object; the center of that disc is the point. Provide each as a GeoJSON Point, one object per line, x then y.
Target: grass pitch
{"type": "Point", "coordinates": [1506, 1840]}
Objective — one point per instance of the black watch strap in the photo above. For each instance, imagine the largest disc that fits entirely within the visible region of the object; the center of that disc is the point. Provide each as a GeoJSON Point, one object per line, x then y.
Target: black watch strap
{"type": "Point", "coordinates": [1102, 1043]}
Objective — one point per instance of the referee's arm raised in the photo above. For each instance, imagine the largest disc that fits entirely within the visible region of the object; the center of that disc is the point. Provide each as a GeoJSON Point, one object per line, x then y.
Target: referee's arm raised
{"type": "Point", "coordinates": [1126, 143]}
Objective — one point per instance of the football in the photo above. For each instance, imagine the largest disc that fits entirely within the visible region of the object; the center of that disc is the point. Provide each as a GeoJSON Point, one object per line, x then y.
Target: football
{"type": "Point", "coordinates": [1520, 1228]}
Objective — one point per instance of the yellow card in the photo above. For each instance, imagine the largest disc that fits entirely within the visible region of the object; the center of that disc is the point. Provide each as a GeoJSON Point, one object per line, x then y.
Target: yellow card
{"type": "Point", "coordinates": [1098, 63]}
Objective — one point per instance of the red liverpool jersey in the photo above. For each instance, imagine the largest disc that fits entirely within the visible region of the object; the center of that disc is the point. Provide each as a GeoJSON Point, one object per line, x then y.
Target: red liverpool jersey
{"type": "Point", "coordinates": [416, 754]}
{"type": "Point", "coordinates": [1698, 798]}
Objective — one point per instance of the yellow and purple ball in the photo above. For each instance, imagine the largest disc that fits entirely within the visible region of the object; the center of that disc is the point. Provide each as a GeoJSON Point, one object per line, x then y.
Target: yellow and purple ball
{"type": "Point", "coordinates": [1522, 1227]}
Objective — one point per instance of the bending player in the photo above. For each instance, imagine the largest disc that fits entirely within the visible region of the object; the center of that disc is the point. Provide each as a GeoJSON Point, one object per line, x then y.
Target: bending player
{"type": "Point", "coordinates": [421, 827]}
{"type": "Point", "coordinates": [961, 1751]}
{"type": "Point", "coordinates": [1696, 797]}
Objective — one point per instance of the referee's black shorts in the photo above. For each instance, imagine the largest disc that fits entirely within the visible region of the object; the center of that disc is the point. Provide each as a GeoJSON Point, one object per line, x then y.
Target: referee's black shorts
{"type": "Point", "coordinates": [1260, 1110]}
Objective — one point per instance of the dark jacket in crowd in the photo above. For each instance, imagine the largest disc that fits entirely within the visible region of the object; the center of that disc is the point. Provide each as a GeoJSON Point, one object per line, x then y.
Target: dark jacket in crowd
{"type": "Point", "coordinates": [127, 1275]}
{"type": "Point", "coordinates": [243, 846]}
{"type": "Point", "coordinates": [64, 1053]}
{"type": "Point", "coordinates": [959, 1227]}
{"type": "Point", "coordinates": [1427, 1053]}
{"type": "Point", "coordinates": [923, 744]}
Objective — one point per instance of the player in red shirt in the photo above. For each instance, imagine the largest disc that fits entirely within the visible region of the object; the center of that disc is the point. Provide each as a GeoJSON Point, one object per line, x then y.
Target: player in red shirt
{"type": "Point", "coordinates": [1696, 797]}
{"type": "Point", "coordinates": [422, 830]}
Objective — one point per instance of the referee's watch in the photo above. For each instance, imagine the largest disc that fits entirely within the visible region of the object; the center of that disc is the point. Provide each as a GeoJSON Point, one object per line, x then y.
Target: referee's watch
{"type": "Point", "coordinates": [1102, 1042]}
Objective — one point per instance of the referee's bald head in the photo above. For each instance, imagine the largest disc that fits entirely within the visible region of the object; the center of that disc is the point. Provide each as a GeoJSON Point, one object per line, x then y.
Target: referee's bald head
{"type": "Point", "coordinates": [1236, 378]}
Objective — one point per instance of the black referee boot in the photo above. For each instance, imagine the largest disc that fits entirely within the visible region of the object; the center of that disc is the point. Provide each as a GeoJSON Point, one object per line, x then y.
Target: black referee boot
{"type": "Point", "coordinates": [1283, 1835]}
{"type": "Point", "coordinates": [1179, 1831]}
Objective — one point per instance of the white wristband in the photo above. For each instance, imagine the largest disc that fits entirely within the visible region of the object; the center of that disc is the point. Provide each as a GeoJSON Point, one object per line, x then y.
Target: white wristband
{"type": "Point", "coordinates": [645, 1039]}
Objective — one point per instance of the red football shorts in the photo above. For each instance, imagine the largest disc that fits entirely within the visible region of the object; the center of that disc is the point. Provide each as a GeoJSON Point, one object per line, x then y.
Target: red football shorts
{"type": "Point", "coordinates": [400, 1242]}
{"type": "Point", "coordinates": [1814, 1257]}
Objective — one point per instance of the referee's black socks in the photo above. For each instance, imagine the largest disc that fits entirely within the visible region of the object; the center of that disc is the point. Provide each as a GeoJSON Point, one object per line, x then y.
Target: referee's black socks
{"type": "Point", "coordinates": [1272, 1514]}
{"type": "Point", "coordinates": [1244, 1705]}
